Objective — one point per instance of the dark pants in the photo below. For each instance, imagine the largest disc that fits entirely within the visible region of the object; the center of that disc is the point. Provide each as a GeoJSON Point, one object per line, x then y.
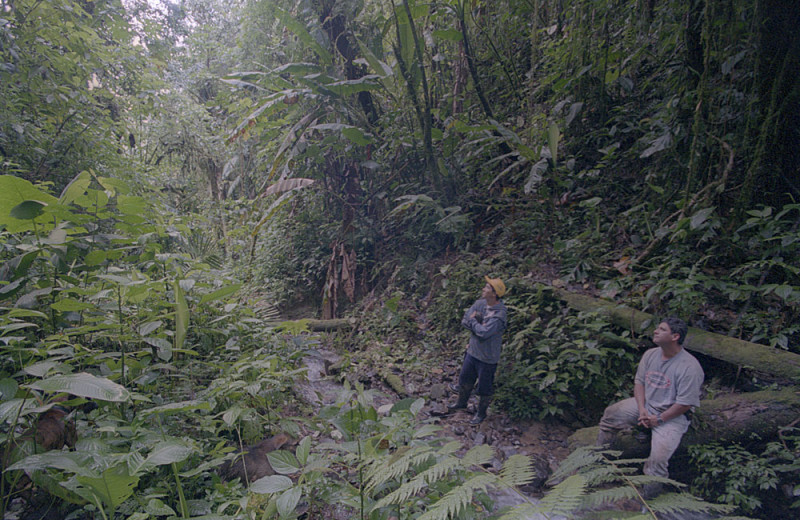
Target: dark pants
{"type": "Point", "coordinates": [473, 369]}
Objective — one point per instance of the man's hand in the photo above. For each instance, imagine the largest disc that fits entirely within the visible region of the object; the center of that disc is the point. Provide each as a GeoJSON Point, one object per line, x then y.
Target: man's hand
{"type": "Point", "coordinates": [647, 420]}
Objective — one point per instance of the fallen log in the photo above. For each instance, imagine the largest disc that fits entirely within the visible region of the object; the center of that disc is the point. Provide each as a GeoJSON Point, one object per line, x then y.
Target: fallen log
{"type": "Point", "coordinates": [329, 325]}
{"type": "Point", "coordinates": [761, 358]}
{"type": "Point", "coordinates": [725, 418]}
{"type": "Point", "coordinates": [318, 325]}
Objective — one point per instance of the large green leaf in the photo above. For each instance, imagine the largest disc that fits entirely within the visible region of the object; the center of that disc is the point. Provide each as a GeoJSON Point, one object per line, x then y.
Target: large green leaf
{"type": "Point", "coordinates": [15, 191]}
{"type": "Point", "coordinates": [179, 407]}
{"type": "Point", "coordinates": [287, 185]}
{"type": "Point", "coordinates": [221, 293]}
{"type": "Point", "coordinates": [283, 462]}
{"type": "Point", "coordinates": [113, 487]}
{"type": "Point", "coordinates": [27, 210]}
{"type": "Point", "coordinates": [271, 484]}
{"type": "Point", "coordinates": [288, 501]}
{"type": "Point", "coordinates": [76, 188]}
{"type": "Point", "coordinates": [70, 461]}
{"type": "Point", "coordinates": [84, 385]}
{"type": "Point", "coordinates": [167, 453]}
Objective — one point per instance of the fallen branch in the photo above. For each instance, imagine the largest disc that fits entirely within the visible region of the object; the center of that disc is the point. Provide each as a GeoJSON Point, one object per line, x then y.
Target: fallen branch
{"type": "Point", "coordinates": [761, 358]}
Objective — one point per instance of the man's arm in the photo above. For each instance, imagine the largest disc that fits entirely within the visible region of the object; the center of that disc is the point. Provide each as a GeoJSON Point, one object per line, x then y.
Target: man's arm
{"type": "Point", "coordinates": [494, 324]}
{"type": "Point", "coordinates": [465, 321]}
{"type": "Point", "coordinates": [676, 410]}
{"type": "Point", "coordinates": [638, 395]}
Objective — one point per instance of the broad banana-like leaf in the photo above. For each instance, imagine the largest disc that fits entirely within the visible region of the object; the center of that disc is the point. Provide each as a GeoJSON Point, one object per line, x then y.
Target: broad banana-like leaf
{"type": "Point", "coordinates": [300, 31]}
{"type": "Point", "coordinates": [354, 86]}
{"type": "Point", "coordinates": [225, 291]}
{"type": "Point", "coordinates": [268, 106]}
{"type": "Point", "coordinates": [377, 65]}
{"type": "Point", "coordinates": [283, 199]}
{"type": "Point", "coordinates": [181, 316]}
{"type": "Point", "coordinates": [287, 185]}
{"type": "Point", "coordinates": [83, 385]}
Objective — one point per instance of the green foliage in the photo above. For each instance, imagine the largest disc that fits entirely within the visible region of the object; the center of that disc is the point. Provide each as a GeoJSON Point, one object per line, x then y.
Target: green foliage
{"type": "Point", "coordinates": [559, 364]}
{"type": "Point", "coordinates": [734, 475]}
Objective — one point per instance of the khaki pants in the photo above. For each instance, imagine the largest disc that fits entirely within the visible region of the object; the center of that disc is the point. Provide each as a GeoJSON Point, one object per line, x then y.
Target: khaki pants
{"type": "Point", "coordinates": [664, 441]}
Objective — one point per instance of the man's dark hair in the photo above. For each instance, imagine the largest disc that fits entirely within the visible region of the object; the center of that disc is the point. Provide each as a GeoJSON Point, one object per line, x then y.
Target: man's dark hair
{"type": "Point", "coordinates": [677, 326]}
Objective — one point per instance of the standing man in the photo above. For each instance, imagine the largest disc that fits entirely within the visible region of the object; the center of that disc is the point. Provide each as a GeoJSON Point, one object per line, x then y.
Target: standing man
{"type": "Point", "coordinates": [667, 385]}
{"type": "Point", "coordinates": [486, 320]}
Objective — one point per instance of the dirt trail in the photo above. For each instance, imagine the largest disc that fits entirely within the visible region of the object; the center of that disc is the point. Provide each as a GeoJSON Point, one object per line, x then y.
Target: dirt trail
{"type": "Point", "coordinates": [544, 444]}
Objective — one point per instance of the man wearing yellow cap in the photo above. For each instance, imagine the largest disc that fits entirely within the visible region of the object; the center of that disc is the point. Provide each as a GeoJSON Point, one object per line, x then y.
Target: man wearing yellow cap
{"type": "Point", "coordinates": [486, 320]}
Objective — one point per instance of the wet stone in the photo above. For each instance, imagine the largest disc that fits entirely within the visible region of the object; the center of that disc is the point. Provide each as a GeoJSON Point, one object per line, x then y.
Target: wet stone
{"type": "Point", "coordinates": [437, 392]}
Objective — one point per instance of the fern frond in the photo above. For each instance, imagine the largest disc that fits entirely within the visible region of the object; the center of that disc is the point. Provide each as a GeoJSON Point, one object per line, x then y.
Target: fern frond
{"type": "Point", "coordinates": [577, 460]}
{"type": "Point", "coordinates": [681, 503]}
{"type": "Point", "coordinates": [521, 512]}
{"type": "Point", "coordinates": [381, 472]}
{"type": "Point", "coordinates": [517, 471]}
{"type": "Point", "coordinates": [606, 474]}
{"type": "Point", "coordinates": [478, 455]}
{"type": "Point", "coordinates": [456, 500]}
{"type": "Point", "coordinates": [606, 496]}
{"type": "Point", "coordinates": [441, 468]}
{"type": "Point", "coordinates": [565, 498]}
{"type": "Point", "coordinates": [402, 494]}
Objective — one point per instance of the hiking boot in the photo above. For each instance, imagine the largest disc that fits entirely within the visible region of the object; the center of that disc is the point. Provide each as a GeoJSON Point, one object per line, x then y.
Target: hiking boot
{"type": "Point", "coordinates": [463, 398]}
{"type": "Point", "coordinates": [483, 405]}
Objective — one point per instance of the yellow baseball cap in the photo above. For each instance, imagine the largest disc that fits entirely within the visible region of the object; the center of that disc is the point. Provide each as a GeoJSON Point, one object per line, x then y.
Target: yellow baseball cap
{"type": "Point", "coordinates": [498, 286]}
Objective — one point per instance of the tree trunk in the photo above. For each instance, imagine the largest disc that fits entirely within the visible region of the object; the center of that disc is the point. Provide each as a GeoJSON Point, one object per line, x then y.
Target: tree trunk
{"type": "Point", "coordinates": [726, 418]}
{"type": "Point", "coordinates": [761, 358]}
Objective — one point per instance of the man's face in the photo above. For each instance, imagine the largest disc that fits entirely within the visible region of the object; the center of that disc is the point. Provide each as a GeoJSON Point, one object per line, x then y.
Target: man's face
{"type": "Point", "coordinates": [663, 335]}
{"type": "Point", "coordinates": [487, 292]}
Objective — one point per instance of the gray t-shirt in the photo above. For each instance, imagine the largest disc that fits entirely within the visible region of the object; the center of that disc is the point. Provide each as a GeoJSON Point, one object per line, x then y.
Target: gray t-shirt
{"type": "Point", "coordinates": [669, 381]}
{"type": "Point", "coordinates": [487, 330]}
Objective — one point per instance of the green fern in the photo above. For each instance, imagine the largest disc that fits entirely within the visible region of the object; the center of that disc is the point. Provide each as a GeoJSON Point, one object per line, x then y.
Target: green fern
{"type": "Point", "coordinates": [454, 502]}
{"type": "Point", "coordinates": [517, 471]}
{"type": "Point", "coordinates": [565, 498]}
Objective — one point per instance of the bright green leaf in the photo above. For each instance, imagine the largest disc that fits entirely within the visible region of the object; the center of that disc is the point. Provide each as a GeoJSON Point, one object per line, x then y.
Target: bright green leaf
{"type": "Point", "coordinates": [220, 293]}
{"type": "Point", "coordinates": [283, 462]}
{"type": "Point", "coordinates": [83, 385]}
{"type": "Point", "coordinates": [28, 210]}
{"type": "Point", "coordinates": [271, 484]}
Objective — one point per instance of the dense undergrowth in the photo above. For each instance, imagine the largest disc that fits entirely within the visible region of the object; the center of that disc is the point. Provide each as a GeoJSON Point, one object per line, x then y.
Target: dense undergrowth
{"type": "Point", "coordinates": [373, 159]}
